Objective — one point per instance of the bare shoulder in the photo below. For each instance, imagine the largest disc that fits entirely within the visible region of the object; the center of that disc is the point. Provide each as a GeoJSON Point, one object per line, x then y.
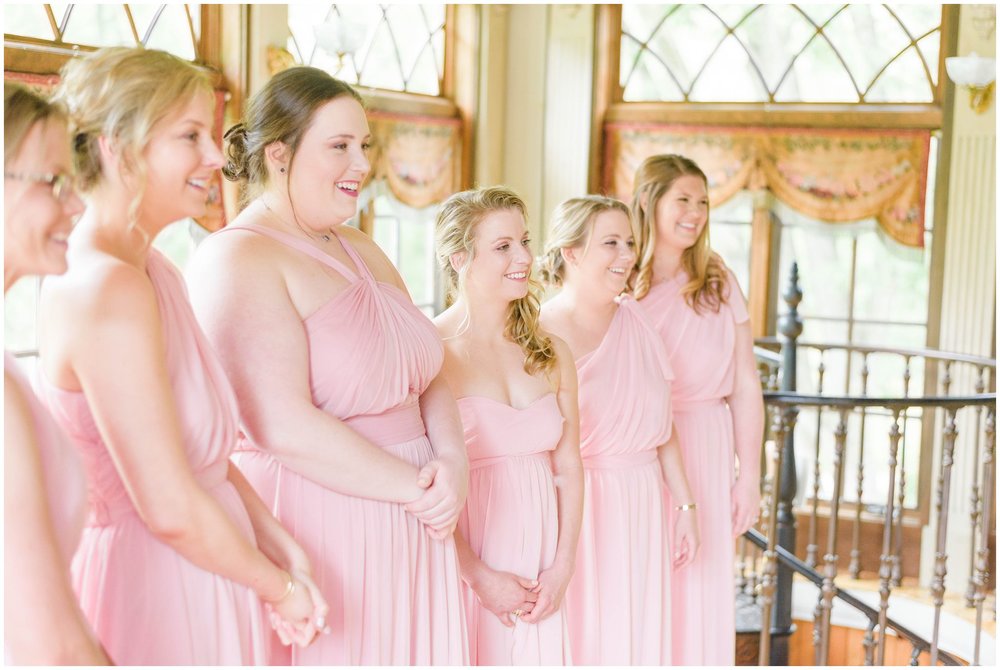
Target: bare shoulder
{"type": "Point", "coordinates": [98, 286]}
{"type": "Point", "coordinates": [237, 255]}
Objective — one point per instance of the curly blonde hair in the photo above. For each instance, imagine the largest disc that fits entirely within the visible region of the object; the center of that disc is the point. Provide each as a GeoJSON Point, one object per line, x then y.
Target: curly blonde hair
{"type": "Point", "coordinates": [706, 271]}
{"type": "Point", "coordinates": [121, 93]}
{"type": "Point", "coordinates": [570, 227]}
{"type": "Point", "coordinates": [455, 232]}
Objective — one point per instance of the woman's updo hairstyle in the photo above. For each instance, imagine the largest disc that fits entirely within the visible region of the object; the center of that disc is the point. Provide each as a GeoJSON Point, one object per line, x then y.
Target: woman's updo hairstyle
{"type": "Point", "coordinates": [279, 112]}
{"type": "Point", "coordinates": [570, 228]}
{"type": "Point", "coordinates": [455, 232]}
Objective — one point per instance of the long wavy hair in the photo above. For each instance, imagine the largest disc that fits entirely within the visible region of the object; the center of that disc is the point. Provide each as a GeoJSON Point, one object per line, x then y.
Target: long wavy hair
{"type": "Point", "coordinates": [455, 232]}
{"type": "Point", "coordinates": [706, 287]}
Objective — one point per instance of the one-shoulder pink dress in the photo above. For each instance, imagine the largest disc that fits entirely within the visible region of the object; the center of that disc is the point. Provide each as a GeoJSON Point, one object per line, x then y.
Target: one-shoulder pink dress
{"type": "Point", "coordinates": [65, 485]}
{"type": "Point", "coordinates": [511, 521]}
{"type": "Point", "coordinates": [394, 592]}
{"type": "Point", "coordinates": [148, 604]}
{"type": "Point", "coordinates": [618, 601]}
{"type": "Point", "coordinates": [701, 349]}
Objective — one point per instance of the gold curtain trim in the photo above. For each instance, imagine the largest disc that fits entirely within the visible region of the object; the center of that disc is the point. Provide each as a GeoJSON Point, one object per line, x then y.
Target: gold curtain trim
{"type": "Point", "coordinates": [830, 175]}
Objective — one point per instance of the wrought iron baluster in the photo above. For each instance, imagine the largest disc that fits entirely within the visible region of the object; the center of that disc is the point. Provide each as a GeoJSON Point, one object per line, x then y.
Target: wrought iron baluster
{"type": "Point", "coordinates": [855, 567]}
{"type": "Point", "coordinates": [983, 552]}
{"type": "Point", "coordinates": [885, 560]}
{"type": "Point", "coordinates": [940, 550]}
{"type": "Point", "coordinates": [811, 547]}
{"type": "Point", "coordinates": [769, 572]}
{"type": "Point", "coordinates": [869, 642]}
{"type": "Point", "coordinates": [976, 506]}
{"type": "Point", "coordinates": [830, 558]}
{"type": "Point", "coordinates": [897, 552]}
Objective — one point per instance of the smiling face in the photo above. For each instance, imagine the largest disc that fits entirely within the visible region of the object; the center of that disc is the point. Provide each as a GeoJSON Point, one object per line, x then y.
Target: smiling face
{"type": "Point", "coordinates": [682, 213]}
{"type": "Point", "coordinates": [36, 222]}
{"type": "Point", "coordinates": [601, 266]}
{"type": "Point", "coordinates": [181, 159]}
{"type": "Point", "coordinates": [330, 164]}
{"type": "Point", "coordinates": [501, 265]}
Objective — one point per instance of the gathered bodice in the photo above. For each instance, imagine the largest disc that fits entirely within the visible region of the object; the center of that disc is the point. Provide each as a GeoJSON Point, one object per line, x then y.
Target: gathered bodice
{"type": "Point", "coordinates": [371, 350]}
{"type": "Point", "coordinates": [203, 398]}
{"type": "Point", "coordinates": [495, 430]}
{"type": "Point", "coordinates": [625, 388]}
{"type": "Point", "coordinates": [701, 346]}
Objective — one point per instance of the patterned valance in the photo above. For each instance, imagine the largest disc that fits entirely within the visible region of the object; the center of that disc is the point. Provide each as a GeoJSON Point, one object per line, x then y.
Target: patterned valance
{"type": "Point", "coordinates": [417, 156]}
{"type": "Point", "coordinates": [830, 175]}
{"type": "Point", "coordinates": [215, 215]}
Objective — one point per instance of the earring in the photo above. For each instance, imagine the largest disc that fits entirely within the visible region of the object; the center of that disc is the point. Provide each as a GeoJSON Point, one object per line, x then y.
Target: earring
{"type": "Point", "coordinates": [282, 170]}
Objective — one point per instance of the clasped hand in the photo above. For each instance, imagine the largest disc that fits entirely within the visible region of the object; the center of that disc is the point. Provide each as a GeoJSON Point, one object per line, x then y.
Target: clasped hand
{"type": "Point", "coordinates": [298, 617]}
{"type": "Point", "coordinates": [445, 486]}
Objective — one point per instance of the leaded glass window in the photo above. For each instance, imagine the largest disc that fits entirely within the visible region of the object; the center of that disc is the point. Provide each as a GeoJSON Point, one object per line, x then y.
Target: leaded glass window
{"type": "Point", "coordinates": [854, 53]}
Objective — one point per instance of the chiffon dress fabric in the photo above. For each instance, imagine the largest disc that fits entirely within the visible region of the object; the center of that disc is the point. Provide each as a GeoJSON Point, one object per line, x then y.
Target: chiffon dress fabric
{"type": "Point", "coordinates": [701, 348]}
{"type": "Point", "coordinates": [618, 602]}
{"type": "Point", "coordinates": [148, 604]}
{"type": "Point", "coordinates": [394, 591]}
{"type": "Point", "coordinates": [511, 521]}
{"type": "Point", "coordinates": [63, 480]}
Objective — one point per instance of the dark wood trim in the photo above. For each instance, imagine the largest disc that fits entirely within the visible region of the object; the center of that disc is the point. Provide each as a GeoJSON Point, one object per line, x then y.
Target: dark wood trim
{"type": "Point", "coordinates": [461, 82]}
{"type": "Point", "coordinates": [779, 114]}
{"type": "Point", "coordinates": [408, 103]}
{"type": "Point", "coordinates": [607, 51]}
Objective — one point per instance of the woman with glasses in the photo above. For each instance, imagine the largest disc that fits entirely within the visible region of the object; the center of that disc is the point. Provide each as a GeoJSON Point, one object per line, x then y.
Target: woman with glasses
{"type": "Point", "coordinates": [45, 492]}
{"type": "Point", "coordinates": [179, 551]}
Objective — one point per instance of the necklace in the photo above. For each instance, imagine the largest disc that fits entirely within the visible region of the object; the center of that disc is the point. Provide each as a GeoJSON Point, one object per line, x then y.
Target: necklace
{"type": "Point", "coordinates": [324, 236]}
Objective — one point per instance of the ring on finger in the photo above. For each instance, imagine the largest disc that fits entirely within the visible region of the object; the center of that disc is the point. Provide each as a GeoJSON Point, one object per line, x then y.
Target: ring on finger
{"type": "Point", "coordinates": [518, 612]}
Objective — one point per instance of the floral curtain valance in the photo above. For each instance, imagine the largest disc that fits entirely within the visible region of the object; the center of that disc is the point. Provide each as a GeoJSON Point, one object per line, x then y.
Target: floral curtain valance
{"type": "Point", "coordinates": [830, 175]}
{"type": "Point", "coordinates": [417, 157]}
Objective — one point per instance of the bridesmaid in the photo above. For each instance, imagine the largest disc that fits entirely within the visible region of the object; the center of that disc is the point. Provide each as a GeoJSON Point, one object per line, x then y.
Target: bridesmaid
{"type": "Point", "coordinates": [178, 548]}
{"type": "Point", "coordinates": [697, 307]}
{"type": "Point", "coordinates": [517, 394]}
{"type": "Point", "coordinates": [350, 436]}
{"type": "Point", "coordinates": [618, 603]}
{"type": "Point", "coordinates": [45, 491]}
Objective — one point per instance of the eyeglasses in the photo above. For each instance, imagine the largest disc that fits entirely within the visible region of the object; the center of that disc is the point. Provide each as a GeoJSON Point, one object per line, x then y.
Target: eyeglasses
{"type": "Point", "coordinates": [61, 184]}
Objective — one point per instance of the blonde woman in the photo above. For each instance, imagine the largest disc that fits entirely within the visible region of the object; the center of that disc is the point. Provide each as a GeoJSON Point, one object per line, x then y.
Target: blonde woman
{"type": "Point", "coordinates": [618, 603]}
{"type": "Point", "coordinates": [699, 311]}
{"type": "Point", "coordinates": [352, 438]}
{"type": "Point", "coordinates": [178, 552]}
{"type": "Point", "coordinates": [516, 390]}
{"type": "Point", "coordinates": [45, 491]}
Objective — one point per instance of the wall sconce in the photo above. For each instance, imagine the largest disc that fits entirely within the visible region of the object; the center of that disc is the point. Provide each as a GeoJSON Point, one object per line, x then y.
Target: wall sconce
{"type": "Point", "coordinates": [975, 73]}
{"type": "Point", "coordinates": [340, 37]}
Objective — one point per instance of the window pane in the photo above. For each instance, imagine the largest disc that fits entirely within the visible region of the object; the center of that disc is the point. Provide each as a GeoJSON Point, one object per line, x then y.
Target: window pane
{"type": "Point", "coordinates": [395, 47]}
{"type": "Point", "coordinates": [99, 26]}
{"type": "Point", "coordinates": [730, 235]}
{"type": "Point", "coordinates": [172, 32]}
{"type": "Point", "coordinates": [826, 53]}
{"type": "Point", "coordinates": [27, 20]}
{"type": "Point", "coordinates": [823, 252]}
{"type": "Point", "coordinates": [179, 240]}
{"type": "Point", "coordinates": [892, 282]}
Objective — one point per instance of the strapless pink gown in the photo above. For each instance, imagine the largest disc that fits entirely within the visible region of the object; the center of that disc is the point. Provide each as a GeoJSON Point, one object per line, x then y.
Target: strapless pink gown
{"type": "Point", "coordinates": [394, 592]}
{"type": "Point", "coordinates": [65, 486]}
{"type": "Point", "coordinates": [511, 521]}
{"type": "Point", "coordinates": [700, 347]}
{"type": "Point", "coordinates": [618, 602]}
{"type": "Point", "coordinates": [148, 604]}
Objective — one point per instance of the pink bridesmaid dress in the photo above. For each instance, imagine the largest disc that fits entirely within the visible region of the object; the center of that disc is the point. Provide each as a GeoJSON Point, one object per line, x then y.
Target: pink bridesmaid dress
{"type": "Point", "coordinates": [618, 601]}
{"type": "Point", "coordinates": [394, 592]}
{"type": "Point", "coordinates": [511, 521]}
{"type": "Point", "coordinates": [148, 604]}
{"type": "Point", "coordinates": [701, 350]}
{"type": "Point", "coordinates": [62, 470]}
